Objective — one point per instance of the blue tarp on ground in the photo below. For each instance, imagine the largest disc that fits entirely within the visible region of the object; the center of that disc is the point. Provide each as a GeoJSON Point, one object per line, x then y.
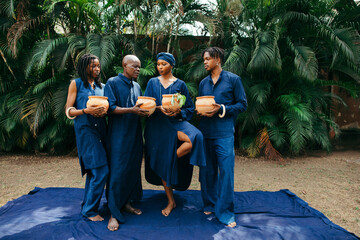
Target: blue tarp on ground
{"type": "Point", "coordinates": [54, 213]}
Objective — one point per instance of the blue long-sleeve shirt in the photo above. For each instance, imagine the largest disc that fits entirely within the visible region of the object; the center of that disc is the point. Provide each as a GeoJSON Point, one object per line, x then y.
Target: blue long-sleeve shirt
{"type": "Point", "coordinates": [228, 91]}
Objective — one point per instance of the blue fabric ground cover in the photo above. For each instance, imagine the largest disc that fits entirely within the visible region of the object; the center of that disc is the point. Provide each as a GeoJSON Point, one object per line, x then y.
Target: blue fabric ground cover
{"type": "Point", "coordinates": [54, 213]}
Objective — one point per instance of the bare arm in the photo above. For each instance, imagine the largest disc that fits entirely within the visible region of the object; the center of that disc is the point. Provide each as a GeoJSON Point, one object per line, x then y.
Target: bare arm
{"type": "Point", "coordinates": [94, 111]}
{"type": "Point", "coordinates": [135, 110]}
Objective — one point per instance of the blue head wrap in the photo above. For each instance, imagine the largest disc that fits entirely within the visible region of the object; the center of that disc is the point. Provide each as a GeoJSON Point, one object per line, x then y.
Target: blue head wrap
{"type": "Point", "coordinates": [168, 57]}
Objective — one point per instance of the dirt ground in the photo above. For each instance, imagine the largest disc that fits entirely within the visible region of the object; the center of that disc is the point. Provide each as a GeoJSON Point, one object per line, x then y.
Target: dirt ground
{"type": "Point", "coordinates": [329, 183]}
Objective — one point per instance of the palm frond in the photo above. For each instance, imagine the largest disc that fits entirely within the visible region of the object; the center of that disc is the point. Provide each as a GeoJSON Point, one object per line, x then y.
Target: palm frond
{"type": "Point", "coordinates": [340, 42]}
{"type": "Point", "coordinates": [352, 70]}
{"type": "Point", "coordinates": [268, 120]}
{"type": "Point", "coordinates": [303, 111]}
{"type": "Point", "coordinates": [305, 61]}
{"type": "Point", "coordinates": [260, 92]}
{"type": "Point", "coordinates": [289, 99]}
{"type": "Point", "coordinates": [41, 52]}
{"type": "Point", "coordinates": [17, 30]}
{"type": "Point", "coordinates": [146, 71]}
{"type": "Point", "coordinates": [93, 10]}
{"type": "Point", "coordinates": [58, 102]}
{"type": "Point", "coordinates": [196, 70]}
{"type": "Point", "coordinates": [237, 59]}
{"type": "Point", "coordinates": [277, 135]}
{"type": "Point", "coordinates": [266, 52]}
{"type": "Point", "coordinates": [192, 87]}
{"type": "Point", "coordinates": [46, 136]}
{"type": "Point", "coordinates": [13, 104]}
{"type": "Point", "coordinates": [7, 124]}
{"type": "Point", "coordinates": [7, 7]}
{"type": "Point", "coordinates": [352, 88]}
{"type": "Point", "coordinates": [253, 150]}
{"type": "Point", "coordinates": [41, 86]}
{"type": "Point", "coordinates": [23, 140]}
{"type": "Point", "coordinates": [37, 109]}
{"type": "Point", "coordinates": [300, 17]}
{"type": "Point", "coordinates": [298, 130]}
{"type": "Point", "coordinates": [322, 136]}
{"type": "Point", "coordinates": [104, 47]}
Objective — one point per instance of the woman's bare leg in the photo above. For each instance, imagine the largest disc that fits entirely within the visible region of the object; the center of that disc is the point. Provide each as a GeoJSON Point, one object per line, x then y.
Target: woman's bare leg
{"type": "Point", "coordinates": [171, 201]}
{"type": "Point", "coordinates": [185, 147]}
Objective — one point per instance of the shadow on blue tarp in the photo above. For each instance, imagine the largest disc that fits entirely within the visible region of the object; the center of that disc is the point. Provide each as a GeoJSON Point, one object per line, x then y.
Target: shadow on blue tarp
{"type": "Point", "coordinates": [54, 213]}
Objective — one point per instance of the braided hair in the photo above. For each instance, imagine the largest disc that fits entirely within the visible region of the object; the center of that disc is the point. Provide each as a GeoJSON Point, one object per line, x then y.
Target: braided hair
{"type": "Point", "coordinates": [214, 52]}
{"type": "Point", "coordinates": [83, 63]}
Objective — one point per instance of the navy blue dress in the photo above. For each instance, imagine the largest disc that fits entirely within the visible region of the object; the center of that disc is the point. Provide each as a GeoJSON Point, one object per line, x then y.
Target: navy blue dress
{"type": "Point", "coordinates": [124, 145]}
{"type": "Point", "coordinates": [161, 140]}
{"type": "Point", "coordinates": [90, 131]}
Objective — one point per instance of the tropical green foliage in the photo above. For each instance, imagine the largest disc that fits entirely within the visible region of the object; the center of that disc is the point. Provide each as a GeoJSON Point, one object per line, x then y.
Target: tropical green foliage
{"type": "Point", "coordinates": [279, 48]}
{"type": "Point", "coordinates": [288, 53]}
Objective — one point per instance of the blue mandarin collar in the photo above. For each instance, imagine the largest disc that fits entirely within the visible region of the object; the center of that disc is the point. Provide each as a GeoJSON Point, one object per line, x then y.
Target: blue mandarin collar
{"type": "Point", "coordinates": [125, 79]}
{"type": "Point", "coordinates": [210, 79]}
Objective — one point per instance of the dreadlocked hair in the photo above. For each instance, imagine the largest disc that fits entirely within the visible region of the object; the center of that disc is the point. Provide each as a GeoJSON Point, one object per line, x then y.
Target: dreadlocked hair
{"type": "Point", "coordinates": [214, 52]}
{"type": "Point", "coordinates": [83, 63]}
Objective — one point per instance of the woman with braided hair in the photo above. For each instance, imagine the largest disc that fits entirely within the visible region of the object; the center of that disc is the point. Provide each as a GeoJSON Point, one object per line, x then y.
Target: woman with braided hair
{"type": "Point", "coordinates": [90, 130]}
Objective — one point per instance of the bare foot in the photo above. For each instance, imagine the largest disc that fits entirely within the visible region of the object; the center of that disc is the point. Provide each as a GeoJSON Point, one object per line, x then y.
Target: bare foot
{"type": "Point", "coordinates": [166, 211]}
{"type": "Point", "coordinates": [96, 218]}
{"type": "Point", "coordinates": [207, 212]}
{"type": "Point", "coordinates": [113, 224]}
{"type": "Point", "coordinates": [130, 209]}
{"type": "Point", "coordinates": [232, 225]}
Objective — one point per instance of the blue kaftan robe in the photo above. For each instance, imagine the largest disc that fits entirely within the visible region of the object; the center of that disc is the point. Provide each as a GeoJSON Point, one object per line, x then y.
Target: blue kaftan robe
{"type": "Point", "coordinates": [161, 140]}
{"type": "Point", "coordinates": [124, 145]}
{"type": "Point", "coordinates": [90, 135]}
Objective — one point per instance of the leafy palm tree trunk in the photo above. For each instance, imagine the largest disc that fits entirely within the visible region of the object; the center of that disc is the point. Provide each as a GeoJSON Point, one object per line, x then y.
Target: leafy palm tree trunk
{"type": "Point", "coordinates": [48, 33]}
{"type": "Point", "coordinates": [177, 31]}
{"type": "Point", "coordinates": [157, 44]}
{"type": "Point", "coordinates": [117, 18]}
{"type": "Point", "coordinates": [153, 45]}
{"type": "Point", "coordinates": [7, 65]}
{"type": "Point", "coordinates": [170, 37]}
{"type": "Point", "coordinates": [135, 28]}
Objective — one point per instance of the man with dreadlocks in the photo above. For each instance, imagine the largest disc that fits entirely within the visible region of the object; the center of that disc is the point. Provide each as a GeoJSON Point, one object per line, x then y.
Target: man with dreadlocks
{"type": "Point", "coordinates": [90, 129]}
{"type": "Point", "coordinates": [124, 142]}
{"type": "Point", "coordinates": [218, 127]}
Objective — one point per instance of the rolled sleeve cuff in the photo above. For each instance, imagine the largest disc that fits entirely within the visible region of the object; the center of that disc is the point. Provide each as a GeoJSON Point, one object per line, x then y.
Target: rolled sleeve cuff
{"type": "Point", "coordinates": [111, 108]}
{"type": "Point", "coordinates": [221, 110]}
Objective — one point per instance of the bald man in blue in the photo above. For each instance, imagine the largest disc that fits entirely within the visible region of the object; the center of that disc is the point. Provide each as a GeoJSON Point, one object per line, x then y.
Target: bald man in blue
{"type": "Point", "coordinates": [124, 143]}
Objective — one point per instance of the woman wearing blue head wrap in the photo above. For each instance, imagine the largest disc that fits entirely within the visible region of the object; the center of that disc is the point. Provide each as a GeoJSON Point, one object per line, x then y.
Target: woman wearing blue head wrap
{"type": "Point", "coordinates": [172, 144]}
{"type": "Point", "coordinates": [167, 57]}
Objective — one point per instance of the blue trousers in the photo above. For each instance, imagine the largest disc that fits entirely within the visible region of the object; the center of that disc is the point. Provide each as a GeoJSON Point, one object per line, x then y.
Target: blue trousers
{"type": "Point", "coordinates": [217, 179]}
{"type": "Point", "coordinates": [94, 187]}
